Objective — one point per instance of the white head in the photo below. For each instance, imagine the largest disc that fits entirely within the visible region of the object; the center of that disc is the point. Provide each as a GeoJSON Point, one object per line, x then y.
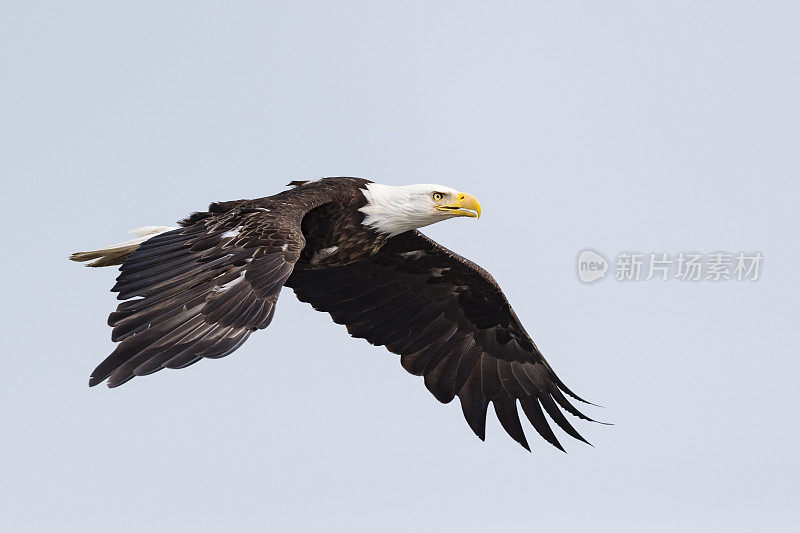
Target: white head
{"type": "Point", "coordinates": [394, 210]}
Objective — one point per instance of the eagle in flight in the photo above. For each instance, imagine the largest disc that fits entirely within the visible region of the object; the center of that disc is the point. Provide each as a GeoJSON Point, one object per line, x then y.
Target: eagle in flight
{"type": "Point", "coordinates": [350, 248]}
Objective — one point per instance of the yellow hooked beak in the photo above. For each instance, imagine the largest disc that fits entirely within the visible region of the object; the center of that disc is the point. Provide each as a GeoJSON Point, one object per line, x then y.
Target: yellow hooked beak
{"type": "Point", "coordinates": [465, 205]}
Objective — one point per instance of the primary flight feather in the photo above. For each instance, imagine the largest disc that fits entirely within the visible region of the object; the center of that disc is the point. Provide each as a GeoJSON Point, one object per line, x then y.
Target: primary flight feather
{"type": "Point", "coordinates": [349, 247]}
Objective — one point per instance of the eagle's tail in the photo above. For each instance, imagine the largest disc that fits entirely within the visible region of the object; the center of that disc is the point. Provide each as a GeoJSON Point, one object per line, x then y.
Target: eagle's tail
{"type": "Point", "coordinates": [116, 253]}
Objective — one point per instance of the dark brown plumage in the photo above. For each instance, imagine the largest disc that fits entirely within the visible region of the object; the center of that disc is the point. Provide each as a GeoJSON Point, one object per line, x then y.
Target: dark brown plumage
{"type": "Point", "coordinates": [200, 290]}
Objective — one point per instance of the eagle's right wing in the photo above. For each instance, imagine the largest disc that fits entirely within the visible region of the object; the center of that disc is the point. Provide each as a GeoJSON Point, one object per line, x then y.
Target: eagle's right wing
{"type": "Point", "coordinates": [451, 323]}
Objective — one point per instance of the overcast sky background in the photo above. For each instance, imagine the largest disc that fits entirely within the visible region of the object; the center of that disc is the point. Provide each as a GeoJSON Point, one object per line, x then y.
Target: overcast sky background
{"type": "Point", "coordinates": [616, 126]}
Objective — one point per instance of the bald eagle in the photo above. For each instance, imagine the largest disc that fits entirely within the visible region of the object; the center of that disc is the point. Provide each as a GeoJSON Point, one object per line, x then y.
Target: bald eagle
{"type": "Point", "coordinates": [349, 247]}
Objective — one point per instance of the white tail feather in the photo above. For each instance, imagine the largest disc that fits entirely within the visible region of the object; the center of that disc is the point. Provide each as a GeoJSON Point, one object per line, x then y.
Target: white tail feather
{"type": "Point", "coordinates": [115, 254]}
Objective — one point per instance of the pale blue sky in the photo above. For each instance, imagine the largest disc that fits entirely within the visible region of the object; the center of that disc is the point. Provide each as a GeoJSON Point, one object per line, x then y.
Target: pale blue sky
{"type": "Point", "coordinates": [617, 126]}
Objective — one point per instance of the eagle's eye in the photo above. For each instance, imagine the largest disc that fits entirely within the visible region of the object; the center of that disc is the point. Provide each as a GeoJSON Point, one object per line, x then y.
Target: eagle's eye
{"type": "Point", "coordinates": [437, 196]}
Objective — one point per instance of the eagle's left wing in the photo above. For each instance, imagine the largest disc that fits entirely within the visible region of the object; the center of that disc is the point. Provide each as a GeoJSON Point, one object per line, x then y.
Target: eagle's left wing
{"type": "Point", "coordinates": [200, 291]}
{"type": "Point", "coordinates": [451, 323]}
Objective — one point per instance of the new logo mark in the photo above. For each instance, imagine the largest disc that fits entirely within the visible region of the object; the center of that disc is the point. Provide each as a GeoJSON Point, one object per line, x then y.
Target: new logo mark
{"type": "Point", "coordinates": [591, 266]}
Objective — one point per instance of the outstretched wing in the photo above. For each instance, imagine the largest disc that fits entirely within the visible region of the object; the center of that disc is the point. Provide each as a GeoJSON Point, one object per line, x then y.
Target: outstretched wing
{"type": "Point", "coordinates": [451, 323]}
{"type": "Point", "coordinates": [199, 291]}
